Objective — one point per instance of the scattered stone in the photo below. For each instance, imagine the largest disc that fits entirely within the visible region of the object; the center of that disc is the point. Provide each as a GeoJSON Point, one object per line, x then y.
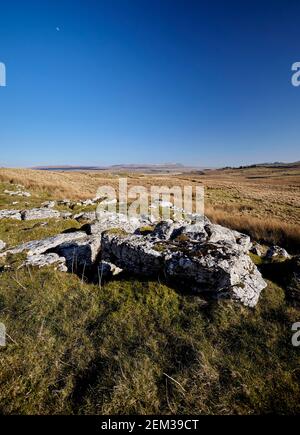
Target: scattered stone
{"type": "Point", "coordinates": [17, 193]}
{"type": "Point", "coordinates": [85, 216]}
{"type": "Point", "coordinates": [41, 246]}
{"type": "Point", "coordinates": [277, 252]}
{"type": "Point", "coordinates": [2, 245]}
{"type": "Point", "coordinates": [66, 215]}
{"type": "Point", "coordinates": [39, 213]}
{"type": "Point", "coordinates": [107, 270]}
{"type": "Point", "coordinates": [87, 202]}
{"type": "Point", "coordinates": [48, 204]}
{"type": "Point", "coordinates": [42, 260]}
{"type": "Point", "coordinates": [256, 250]}
{"type": "Point", "coordinates": [67, 202]}
{"type": "Point", "coordinates": [10, 214]}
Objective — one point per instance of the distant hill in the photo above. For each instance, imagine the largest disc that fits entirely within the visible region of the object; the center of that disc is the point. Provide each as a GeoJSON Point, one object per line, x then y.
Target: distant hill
{"type": "Point", "coordinates": [275, 165]}
{"type": "Point", "coordinates": [148, 168]}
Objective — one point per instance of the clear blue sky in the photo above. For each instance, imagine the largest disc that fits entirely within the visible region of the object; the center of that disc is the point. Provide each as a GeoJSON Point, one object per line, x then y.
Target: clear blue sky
{"type": "Point", "coordinates": [148, 81]}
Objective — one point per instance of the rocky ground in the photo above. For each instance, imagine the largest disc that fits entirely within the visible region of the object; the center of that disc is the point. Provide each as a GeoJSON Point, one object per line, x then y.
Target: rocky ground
{"type": "Point", "coordinates": [191, 256]}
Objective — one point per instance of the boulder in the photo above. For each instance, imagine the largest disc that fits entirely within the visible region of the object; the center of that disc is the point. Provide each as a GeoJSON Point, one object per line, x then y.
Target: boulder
{"type": "Point", "coordinates": [208, 258]}
{"type": "Point", "coordinates": [17, 193]}
{"type": "Point", "coordinates": [41, 246]}
{"type": "Point", "coordinates": [107, 270]}
{"type": "Point", "coordinates": [256, 250]}
{"type": "Point", "coordinates": [218, 268]}
{"type": "Point", "coordinates": [10, 214]}
{"type": "Point", "coordinates": [133, 253]}
{"type": "Point", "coordinates": [106, 220]}
{"type": "Point", "coordinates": [81, 254]}
{"type": "Point", "coordinates": [85, 216]}
{"type": "Point", "coordinates": [42, 260]}
{"type": "Point", "coordinates": [66, 215]}
{"type": "Point", "coordinates": [277, 252]}
{"type": "Point", "coordinates": [39, 213]}
{"type": "Point", "coordinates": [48, 204]}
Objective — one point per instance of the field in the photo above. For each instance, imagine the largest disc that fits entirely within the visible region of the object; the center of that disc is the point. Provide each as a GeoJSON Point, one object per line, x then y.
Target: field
{"type": "Point", "coordinates": [261, 201]}
{"type": "Point", "coordinates": [130, 346]}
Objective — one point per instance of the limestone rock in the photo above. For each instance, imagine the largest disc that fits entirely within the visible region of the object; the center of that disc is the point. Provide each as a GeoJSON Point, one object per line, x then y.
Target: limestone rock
{"type": "Point", "coordinates": [42, 260]}
{"type": "Point", "coordinates": [107, 270]}
{"type": "Point", "coordinates": [17, 193]}
{"type": "Point", "coordinates": [48, 204]}
{"type": "Point", "coordinates": [86, 216]}
{"type": "Point", "coordinates": [213, 259]}
{"type": "Point", "coordinates": [277, 252]}
{"type": "Point", "coordinates": [10, 214]}
{"type": "Point", "coordinates": [2, 245]}
{"type": "Point", "coordinates": [219, 268]}
{"type": "Point", "coordinates": [107, 220]}
{"type": "Point", "coordinates": [256, 250]}
{"type": "Point", "coordinates": [66, 215]}
{"type": "Point", "coordinates": [39, 213]}
{"type": "Point", "coordinates": [80, 255]}
{"type": "Point", "coordinates": [41, 246]}
{"type": "Point", "coordinates": [133, 253]}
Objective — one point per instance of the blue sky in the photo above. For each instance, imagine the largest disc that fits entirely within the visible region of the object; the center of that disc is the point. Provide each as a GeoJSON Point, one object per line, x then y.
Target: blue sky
{"type": "Point", "coordinates": [149, 81]}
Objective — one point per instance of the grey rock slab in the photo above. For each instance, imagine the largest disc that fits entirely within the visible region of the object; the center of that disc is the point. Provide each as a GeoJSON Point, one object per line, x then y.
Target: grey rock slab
{"type": "Point", "coordinates": [43, 260]}
{"type": "Point", "coordinates": [39, 213]}
{"type": "Point", "coordinates": [277, 251]}
{"type": "Point", "coordinates": [41, 246]}
{"type": "Point", "coordinates": [10, 214]}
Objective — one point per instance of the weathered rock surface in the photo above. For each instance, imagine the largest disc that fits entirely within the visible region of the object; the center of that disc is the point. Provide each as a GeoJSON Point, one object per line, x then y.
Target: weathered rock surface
{"type": "Point", "coordinates": [107, 270]}
{"type": "Point", "coordinates": [214, 259]}
{"type": "Point", "coordinates": [85, 216]}
{"type": "Point", "coordinates": [66, 215]}
{"type": "Point", "coordinates": [256, 250]}
{"type": "Point", "coordinates": [48, 204]}
{"type": "Point", "coordinates": [80, 255]}
{"type": "Point", "coordinates": [42, 260]}
{"type": "Point", "coordinates": [10, 214]}
{"type": "Point", "coordinates": [31, 214]}
{"type": "Point", "coordinates": [2, 245]}
{"type": "Point", "coordinates": [41, 246]}
{"type": "Point", "coordinates": [202, 256]}
{"type": "Point", "coordinates": [135, 254]}
{"type": "Point", "coordinates": [107, 220]}
{"type": "Point", "coordinates": [277, 252]}
{"type": "Point", "coordinates": [17, 193]}
{"type": "Point", "coordinates": [39, 213]}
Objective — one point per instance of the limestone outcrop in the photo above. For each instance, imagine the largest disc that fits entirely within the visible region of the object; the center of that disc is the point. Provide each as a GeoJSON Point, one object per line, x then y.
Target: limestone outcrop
{"type": "Point", "coordinates": [201, 256]}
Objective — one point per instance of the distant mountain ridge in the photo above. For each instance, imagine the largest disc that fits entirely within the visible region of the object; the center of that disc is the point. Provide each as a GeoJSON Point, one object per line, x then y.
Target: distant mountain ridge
{"type": "Point", "coordinates": [168, 167]}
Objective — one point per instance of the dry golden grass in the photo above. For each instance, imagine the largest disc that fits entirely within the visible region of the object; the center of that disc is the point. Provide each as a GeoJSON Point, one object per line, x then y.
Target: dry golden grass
{"type": "Point", "coordinates": [271, 231]}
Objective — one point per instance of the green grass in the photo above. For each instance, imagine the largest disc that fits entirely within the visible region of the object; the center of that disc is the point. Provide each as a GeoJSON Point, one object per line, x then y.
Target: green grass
{"type": "Point", "coordinates": [140, 347]}
{"type": "Point", "coordinates": [14, 232]}
{"type": "Point", "coordinates": [132, 346]}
